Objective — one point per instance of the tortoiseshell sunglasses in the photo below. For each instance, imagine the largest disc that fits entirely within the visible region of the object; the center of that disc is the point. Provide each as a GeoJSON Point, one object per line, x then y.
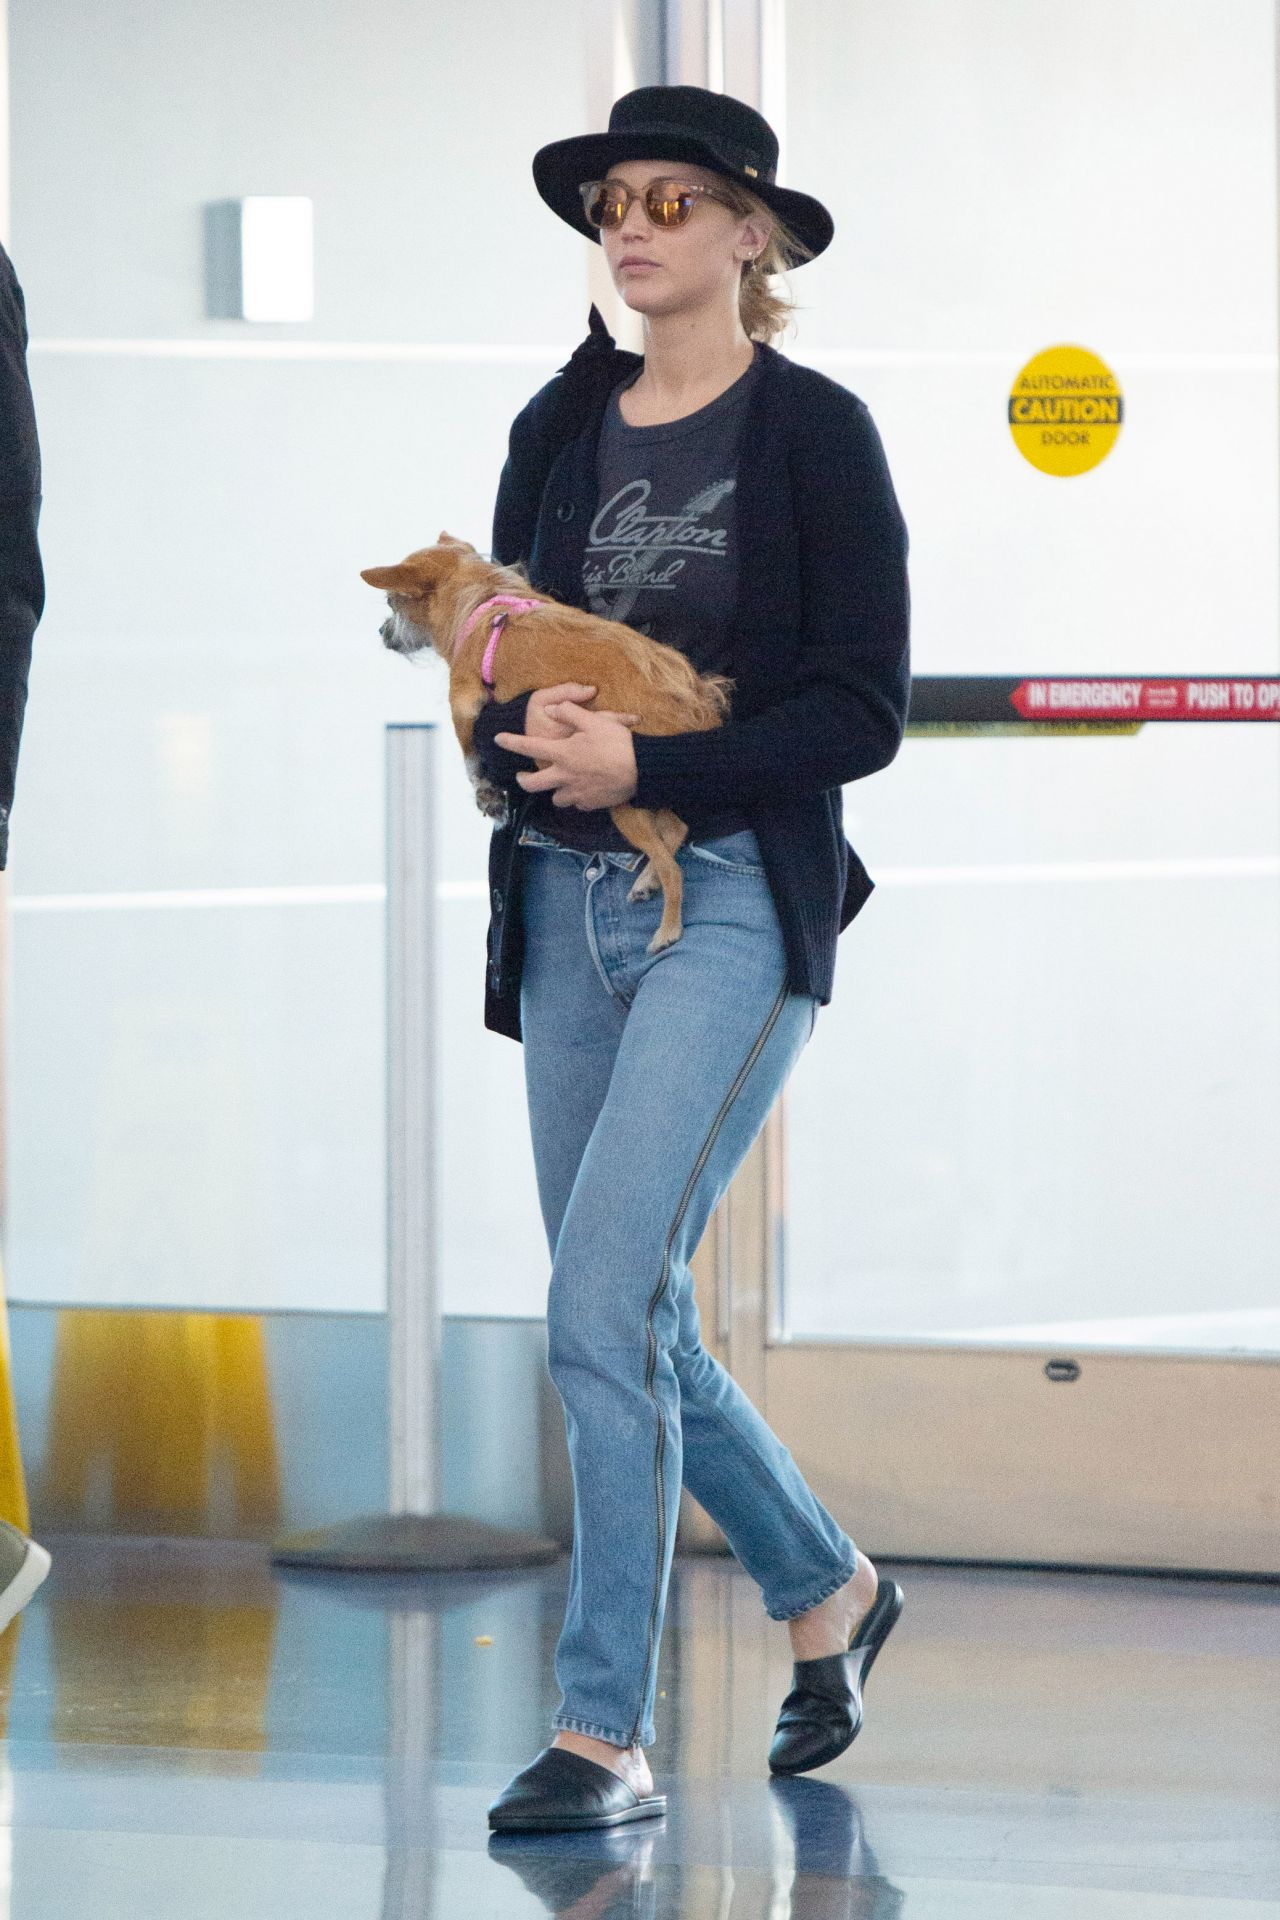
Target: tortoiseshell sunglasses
{"type": "Point", "coordinates": [668, 203]}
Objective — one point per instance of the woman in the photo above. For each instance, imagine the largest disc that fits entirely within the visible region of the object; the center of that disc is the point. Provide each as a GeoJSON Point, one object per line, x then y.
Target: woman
{"type": "Point", "coordinates": [727, 501]}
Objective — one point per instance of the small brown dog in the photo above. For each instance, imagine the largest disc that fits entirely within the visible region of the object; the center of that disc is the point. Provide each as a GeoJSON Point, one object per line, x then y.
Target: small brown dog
{"type": "Point", "coordinates": [501, 638]}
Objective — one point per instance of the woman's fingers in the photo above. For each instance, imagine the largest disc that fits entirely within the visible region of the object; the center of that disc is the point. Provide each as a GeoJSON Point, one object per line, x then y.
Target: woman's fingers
{"type": "Point", "coordinates": [576, 691]}
{"type": "Point", "coordinates": [607, 713]}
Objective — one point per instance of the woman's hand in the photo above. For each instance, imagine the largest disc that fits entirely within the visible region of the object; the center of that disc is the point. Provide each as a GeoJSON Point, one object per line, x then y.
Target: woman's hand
{"type": "Point", "coordinates": [536, 720]}
{"type": "Point", "coordinates": [585, 758]}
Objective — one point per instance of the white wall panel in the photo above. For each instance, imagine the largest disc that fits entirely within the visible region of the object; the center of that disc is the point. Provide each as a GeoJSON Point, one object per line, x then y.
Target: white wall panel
{"type": "Point", "coordinates": [196, 1093]}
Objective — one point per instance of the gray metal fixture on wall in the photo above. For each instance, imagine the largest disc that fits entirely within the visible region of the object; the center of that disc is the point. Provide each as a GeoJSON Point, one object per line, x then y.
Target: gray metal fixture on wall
{"type": "Point", "coordinates": [259, 258]}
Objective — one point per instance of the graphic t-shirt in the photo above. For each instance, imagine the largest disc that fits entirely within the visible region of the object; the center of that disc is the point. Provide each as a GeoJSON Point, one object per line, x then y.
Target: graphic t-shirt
{"type": "Point", "coordinates": [661, 556]}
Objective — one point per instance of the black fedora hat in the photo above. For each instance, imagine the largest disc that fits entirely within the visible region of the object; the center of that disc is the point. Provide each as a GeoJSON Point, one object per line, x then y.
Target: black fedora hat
{"type": "Point", "coordinates": [680, 123]}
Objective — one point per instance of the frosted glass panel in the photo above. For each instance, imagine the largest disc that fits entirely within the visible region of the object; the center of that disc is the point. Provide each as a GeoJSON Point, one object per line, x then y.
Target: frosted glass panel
{"type": "Point", "coordinates": [1045, 1099]}
{"type": "Point", "coordinates": [197, 1055]}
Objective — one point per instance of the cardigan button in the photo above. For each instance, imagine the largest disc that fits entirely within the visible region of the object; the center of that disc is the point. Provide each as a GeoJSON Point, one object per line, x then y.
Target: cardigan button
{"type": "Point", "coordinates": [497, 899]}
{"type": "Point", "coordinates": [565, 510]}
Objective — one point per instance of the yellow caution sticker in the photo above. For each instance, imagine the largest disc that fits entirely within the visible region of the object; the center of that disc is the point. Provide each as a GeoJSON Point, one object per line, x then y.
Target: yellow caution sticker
{"type": "Point", "coordinates": [1065, 410]}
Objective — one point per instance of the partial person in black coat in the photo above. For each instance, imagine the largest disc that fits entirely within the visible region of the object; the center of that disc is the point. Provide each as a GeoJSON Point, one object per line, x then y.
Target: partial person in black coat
{"type": "Point", "coordinates": [23, 1562]}
{"type": "Point", "coordinates": [21, 571]}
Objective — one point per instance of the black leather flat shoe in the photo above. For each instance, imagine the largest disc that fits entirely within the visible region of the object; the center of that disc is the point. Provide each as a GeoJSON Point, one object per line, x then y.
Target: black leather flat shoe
{"type": "Point", "coordinates": [562, 1788]}
{"type": "Point", "coordinates": [821, 1715]}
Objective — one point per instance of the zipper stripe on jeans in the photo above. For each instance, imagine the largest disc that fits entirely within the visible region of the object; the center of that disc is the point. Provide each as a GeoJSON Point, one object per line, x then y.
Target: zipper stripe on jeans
{"type": "Point", "coordinates": [652, 1363]}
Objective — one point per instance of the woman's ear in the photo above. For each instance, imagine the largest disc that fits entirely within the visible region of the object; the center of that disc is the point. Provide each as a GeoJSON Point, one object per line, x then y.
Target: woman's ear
{"type": "Point", "coordinates": [755, 236]}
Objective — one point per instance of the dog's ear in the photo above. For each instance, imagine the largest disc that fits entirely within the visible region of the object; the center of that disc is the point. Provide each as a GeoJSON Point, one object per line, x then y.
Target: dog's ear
{"type": "Point", "coordinates": [387, 579]}
{"type": "Point", "coordinates": [447, 540]}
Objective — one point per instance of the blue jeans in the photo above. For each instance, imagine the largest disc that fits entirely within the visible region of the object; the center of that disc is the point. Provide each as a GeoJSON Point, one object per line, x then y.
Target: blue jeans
{"type": "Point", "coordinates": [648, 1077]}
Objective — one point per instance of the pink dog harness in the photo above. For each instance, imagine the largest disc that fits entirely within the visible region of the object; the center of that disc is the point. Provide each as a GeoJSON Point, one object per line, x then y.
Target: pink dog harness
{"type": "Point", "coordinates": [510, 603]}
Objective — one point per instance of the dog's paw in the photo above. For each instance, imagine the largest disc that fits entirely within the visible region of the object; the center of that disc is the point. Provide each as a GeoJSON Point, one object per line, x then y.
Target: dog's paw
{"type": "Point", "coordinates": [661, 939]}
{"type": "Point", "coordinates": [492, 801]}
{"type": "Point", "coordinates": [645, 882]}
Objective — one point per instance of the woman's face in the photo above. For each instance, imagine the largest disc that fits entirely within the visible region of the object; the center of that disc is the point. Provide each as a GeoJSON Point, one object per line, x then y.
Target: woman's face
{"type": "Point", "coordinates": [693, 265]}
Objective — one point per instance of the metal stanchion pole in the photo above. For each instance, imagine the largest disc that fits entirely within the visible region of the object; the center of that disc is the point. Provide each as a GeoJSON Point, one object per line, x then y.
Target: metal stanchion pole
{"type": "Point", "coordinates": [413, 1535]}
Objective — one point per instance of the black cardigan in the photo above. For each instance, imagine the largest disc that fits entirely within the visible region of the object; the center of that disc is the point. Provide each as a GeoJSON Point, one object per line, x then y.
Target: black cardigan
{"type": "Point", "coordinates": [821, 654]}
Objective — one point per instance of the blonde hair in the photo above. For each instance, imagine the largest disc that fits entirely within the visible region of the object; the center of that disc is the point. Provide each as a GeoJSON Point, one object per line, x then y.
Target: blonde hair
{"type": "Point", "coordinates": [764, 308]}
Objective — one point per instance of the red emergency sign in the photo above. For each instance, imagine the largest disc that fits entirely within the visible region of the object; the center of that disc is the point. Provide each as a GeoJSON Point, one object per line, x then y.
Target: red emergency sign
{"type": "Point", "coordinates": [1130, 697]}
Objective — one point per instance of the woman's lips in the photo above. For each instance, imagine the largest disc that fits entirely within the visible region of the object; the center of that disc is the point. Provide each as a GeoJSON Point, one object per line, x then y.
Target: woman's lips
{"type": "Point", "coordinates": [639, 266]}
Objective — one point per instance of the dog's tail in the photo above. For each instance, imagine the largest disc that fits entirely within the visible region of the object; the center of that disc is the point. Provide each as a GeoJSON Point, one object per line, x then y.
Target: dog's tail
{"type": "Point", "coordinates": [716, 690]}
{"type": "Point", "coordinates": [699, 701]}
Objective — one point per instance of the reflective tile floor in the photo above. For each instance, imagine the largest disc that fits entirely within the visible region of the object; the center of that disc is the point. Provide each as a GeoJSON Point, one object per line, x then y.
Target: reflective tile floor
{"type": "Point", "coordinates": [191, 1734]}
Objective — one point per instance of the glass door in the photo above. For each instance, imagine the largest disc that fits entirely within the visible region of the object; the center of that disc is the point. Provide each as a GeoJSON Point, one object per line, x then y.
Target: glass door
{"type": "Point", "coordinates": [1006, 1273]}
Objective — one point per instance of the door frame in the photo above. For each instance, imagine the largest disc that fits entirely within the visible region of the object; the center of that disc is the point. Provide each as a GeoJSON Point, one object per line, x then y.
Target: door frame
{"type": "Point", "coordinates": [958, 1451]}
